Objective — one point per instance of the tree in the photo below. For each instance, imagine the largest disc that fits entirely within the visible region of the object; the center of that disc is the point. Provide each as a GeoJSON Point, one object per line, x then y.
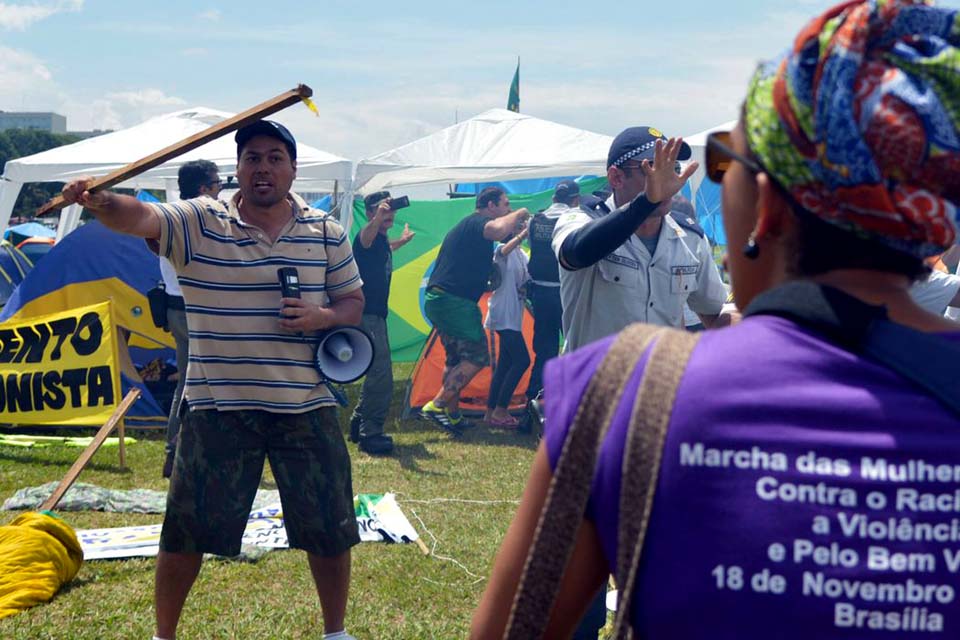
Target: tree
{"type": "Point", "coordinates": [18, 143]}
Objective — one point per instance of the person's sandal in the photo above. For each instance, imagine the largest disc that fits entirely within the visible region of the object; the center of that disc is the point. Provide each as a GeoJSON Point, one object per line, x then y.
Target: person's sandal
{"type": "Point", "coordinates": [504, 423]}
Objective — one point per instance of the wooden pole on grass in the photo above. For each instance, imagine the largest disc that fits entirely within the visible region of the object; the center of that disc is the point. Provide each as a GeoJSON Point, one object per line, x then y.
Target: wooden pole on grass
{"type": "Point", "coordinates": [92, 448]}
{"type": "Point", "coordinates": [262, 110]}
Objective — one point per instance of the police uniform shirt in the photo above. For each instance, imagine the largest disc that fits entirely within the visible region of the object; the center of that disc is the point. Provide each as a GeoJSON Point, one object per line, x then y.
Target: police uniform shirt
{"type": "Point", "coordinates": [543, 267]}
{"type": "Point", "coordinates": [630, 285]}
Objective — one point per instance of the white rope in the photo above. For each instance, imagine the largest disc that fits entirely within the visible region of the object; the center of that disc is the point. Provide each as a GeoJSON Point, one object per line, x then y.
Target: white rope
{"type": "Point", "coordinates": [457, 500]}
{"type": "Point", "coordinates": [434, 554]}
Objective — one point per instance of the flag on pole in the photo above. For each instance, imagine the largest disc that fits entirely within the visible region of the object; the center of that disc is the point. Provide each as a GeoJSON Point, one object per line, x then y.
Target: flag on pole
{"type": "Point", "coordinates": [513, 101]}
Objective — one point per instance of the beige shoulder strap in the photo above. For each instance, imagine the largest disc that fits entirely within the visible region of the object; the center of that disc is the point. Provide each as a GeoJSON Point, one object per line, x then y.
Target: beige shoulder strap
{"type": "Point", "coordinates": [642, 455]}
{"type": "Point", "coordinates": [570, 486]}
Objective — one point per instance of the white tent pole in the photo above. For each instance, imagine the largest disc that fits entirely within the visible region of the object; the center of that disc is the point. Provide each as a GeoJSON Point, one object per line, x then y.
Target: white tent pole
{"type": "Point", "coordinates": [9, 190]}
{"type": "Point", "coordinates": [69, 221]}
{"type": "Point", "coordinates": [172, 189]}
{"type": "Point", "coordinates": [346, 209]}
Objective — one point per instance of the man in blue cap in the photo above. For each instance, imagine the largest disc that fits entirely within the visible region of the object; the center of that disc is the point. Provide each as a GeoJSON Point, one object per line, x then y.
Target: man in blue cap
{"type": "Point", "coordinates": [628, 260]}
{"type": "Point", "coordinates": [544, 286]}
{"type": "Point", "coordinates": [252, 388]}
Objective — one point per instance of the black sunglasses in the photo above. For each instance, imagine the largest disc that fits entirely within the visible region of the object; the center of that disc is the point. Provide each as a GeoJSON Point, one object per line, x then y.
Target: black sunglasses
{"type": "Point", "coordinates": [720, 155]}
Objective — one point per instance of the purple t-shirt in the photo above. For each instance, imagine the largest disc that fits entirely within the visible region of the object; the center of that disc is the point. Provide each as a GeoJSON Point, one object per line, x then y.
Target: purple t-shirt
{"type": "Point", "coordinates": [804, 492]}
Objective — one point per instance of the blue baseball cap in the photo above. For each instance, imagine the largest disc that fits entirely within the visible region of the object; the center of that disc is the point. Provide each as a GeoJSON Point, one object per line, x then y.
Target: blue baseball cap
{"type": "Point", "coordinates": [638, 143]}
{"type": "Point", "coordinates": [566, 190]}
{"type": "Point", "coordinates": [266, 128]}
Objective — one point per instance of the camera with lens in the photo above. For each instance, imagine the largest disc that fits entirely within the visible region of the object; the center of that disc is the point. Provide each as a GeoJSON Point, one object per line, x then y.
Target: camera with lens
{"type": "Point", "coordinates": [400, 202]}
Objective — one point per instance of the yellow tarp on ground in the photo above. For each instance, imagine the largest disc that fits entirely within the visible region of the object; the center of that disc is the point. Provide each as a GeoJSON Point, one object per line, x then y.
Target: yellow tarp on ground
{"type": "Point", "coordinates": [39, 553]}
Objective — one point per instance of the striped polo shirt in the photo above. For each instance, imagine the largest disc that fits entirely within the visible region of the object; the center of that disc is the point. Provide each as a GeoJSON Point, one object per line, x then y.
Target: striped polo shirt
{"type": "Point", "coordinates": [240, 358]}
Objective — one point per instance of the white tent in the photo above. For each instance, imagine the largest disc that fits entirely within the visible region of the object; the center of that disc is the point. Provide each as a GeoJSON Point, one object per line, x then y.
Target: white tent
{"type": "Point", "coordinates": [103, 154]}
{"type": "Point", "coordinates": [495, 145]}
{"type": "Point", "coordinates": [698, 148]}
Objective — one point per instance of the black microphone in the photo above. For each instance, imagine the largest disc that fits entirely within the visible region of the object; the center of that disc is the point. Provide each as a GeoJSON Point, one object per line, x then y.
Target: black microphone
{"type": "Point", "coordinates": [289, 282]}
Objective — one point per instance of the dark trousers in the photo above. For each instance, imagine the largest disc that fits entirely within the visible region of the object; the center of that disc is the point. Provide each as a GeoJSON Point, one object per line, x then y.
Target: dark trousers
{"type": "Point", "coordinates": [511, 365]}
{"type": "Point", "coordinates": [177, 322]}
{"type": "Point", "coordinates": [377, 390]}
{"type": "Point", "coordinates": [547, 318]}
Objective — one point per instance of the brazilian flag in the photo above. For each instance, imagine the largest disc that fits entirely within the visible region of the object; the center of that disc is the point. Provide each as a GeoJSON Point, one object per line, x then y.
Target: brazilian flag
{"type": "Point", "coordinates": [513, 101]}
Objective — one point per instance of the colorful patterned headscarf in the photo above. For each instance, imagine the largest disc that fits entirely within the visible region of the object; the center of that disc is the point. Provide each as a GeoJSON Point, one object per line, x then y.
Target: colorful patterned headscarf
{"type": "Point", "coordinates": [859, 122]}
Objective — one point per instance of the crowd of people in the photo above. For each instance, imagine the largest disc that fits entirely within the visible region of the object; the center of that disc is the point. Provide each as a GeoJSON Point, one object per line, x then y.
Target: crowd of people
{"type": "Point", "coordinates": [804, 405]}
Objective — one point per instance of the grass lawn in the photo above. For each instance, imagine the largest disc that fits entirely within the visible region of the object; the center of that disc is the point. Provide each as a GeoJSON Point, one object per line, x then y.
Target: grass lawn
{"type": "Point", "coordinates": [396, 591]}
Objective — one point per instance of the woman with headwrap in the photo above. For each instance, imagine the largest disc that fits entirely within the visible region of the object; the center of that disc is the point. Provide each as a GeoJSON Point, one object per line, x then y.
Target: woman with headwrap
{"type": "Point", "coordinates": [809, 482]}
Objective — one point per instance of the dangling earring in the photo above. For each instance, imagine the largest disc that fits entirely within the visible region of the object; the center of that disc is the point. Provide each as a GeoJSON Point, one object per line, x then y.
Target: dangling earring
{"type": "Point", "coordinates": [751, 250]}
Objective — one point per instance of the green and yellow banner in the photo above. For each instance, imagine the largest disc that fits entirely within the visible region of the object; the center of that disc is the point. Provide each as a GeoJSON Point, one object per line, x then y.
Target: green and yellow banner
{"type": "Point", "coordinates": [61, 368]}
{"type": "Point", "coordinates": [412, 263]}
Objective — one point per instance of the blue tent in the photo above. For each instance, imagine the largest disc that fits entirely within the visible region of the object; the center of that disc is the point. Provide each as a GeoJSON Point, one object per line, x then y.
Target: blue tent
{"type": "Point", "coordinates": [91, 265]}
{"type": "Point", "coordinates": [14, 266]}
{"type": "Point", "coordinates": [708, 206]}
{"type": "Point", "coordinates": [21, 232]}
{"type": "Point", "coordinates": [323, 203]}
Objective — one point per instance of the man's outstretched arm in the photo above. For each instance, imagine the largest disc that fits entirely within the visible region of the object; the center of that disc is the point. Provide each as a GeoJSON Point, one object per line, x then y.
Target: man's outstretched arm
{"type": "Point", "coordinates": [124, 214]}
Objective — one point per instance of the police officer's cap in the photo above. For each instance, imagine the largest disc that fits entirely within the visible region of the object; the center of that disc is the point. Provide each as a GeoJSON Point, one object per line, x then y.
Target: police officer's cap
{"type": "Point", "coordinates": [566, 191]}
{"type": "Point", "coordinates": [638, 143]}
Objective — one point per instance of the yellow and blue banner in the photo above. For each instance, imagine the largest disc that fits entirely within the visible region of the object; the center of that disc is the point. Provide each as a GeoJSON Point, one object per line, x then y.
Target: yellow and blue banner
{"type": "Point", "coordinates": [61, 368]}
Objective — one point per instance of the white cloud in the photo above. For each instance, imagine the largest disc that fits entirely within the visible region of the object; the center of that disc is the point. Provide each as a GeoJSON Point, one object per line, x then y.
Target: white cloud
{"type": "Point", "coordinates": [20, 16]}
{"type": "Point", "coordinates": [121, 109]}
{"type": "Point", "coordinates": [194, 51]}
{"type": "Point", "coordinates": [213, 15]}
{"type": "Point", "coordinates": [25, 82]}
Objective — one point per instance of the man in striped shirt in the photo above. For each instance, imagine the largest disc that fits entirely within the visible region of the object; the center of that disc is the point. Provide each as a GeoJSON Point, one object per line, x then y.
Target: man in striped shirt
{"type": "Point", "coordinates": [252, 386]}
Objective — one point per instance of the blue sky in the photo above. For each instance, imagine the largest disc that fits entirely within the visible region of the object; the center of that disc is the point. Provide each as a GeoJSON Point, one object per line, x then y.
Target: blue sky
{"type": "Point", "coordinates": [385, 73]}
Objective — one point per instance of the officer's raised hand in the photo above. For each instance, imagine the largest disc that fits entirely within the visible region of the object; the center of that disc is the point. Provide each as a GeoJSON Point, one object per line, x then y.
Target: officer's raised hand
{"type": "Point", "coordinates": [662, 180]}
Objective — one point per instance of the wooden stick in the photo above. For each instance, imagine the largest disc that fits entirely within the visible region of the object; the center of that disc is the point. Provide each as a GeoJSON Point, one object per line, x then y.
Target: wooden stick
{"type": "Point", "coordinates": [238, 121]}
{"type": "Point", "coordinates": [123, 447]}
{"type": "Point", "coordinates": [423, 546]}
{"type": "Point", "coordinates": [91, 449]}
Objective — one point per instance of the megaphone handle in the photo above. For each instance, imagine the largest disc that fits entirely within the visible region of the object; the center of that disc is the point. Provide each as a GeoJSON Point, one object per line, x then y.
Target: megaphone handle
{"type": "Point", "coordinates": [336, 392]}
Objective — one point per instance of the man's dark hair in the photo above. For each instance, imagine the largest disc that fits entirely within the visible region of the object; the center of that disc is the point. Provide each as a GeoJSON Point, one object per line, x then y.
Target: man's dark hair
{"type": "Point", "coordinates": [195, 174]}
{"type": "Point", "coordinates": [821, 247]}
{"type": "Point", "coordinates": [488, 196]}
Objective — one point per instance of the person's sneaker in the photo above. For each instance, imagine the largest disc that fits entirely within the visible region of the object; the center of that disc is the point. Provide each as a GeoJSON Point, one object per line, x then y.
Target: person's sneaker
{"type": "Point", "coordinates": [355, 428]}
{"type": "Point", "coordinates": [168, 464]}
{"type": "Point", "coordinates": [460, 422]}
{"type": "Point", "coordinates": [440, 416]}
{"type": "Point", "coordinates": [377, 445]}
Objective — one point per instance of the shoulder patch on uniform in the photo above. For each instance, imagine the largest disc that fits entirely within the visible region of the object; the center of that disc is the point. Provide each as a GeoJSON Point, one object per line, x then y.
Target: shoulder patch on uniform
{"type": "Point", "coordinates": [688, 223]}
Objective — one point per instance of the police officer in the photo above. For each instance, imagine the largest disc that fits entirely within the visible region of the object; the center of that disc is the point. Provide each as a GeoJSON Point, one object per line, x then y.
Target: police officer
{"type": "Point", "coordinates": [628, 260]}
{"type": "Point", "coordinates": [544, 286]}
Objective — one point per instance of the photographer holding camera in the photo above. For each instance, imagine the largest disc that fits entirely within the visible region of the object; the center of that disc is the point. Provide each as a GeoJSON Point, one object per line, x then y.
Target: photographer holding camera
{"type": "Point", "coordinates": [373, 252]}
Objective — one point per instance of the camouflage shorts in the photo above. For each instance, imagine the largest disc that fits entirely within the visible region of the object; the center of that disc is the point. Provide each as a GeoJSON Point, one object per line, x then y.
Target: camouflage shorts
{"type": "Point", "coordinates": [217, 470]}
{"type": "Point", "coordinates": [459, 349]}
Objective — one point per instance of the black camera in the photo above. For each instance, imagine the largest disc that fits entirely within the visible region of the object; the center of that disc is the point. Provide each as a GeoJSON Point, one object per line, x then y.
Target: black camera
{"type": "Point", "coordinates": [399, 203]}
